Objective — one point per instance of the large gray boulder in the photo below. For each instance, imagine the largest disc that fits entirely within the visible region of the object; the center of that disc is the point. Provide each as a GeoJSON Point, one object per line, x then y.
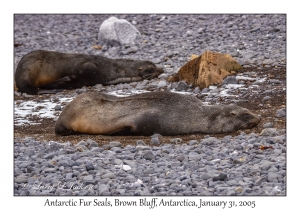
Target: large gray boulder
{"type": "Point", "coordinates": [114, 31]}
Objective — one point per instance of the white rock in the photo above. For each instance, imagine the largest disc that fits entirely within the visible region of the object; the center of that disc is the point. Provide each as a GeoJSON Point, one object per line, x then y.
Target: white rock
{"type": "Point", "coordinates": [119, 31]}
{"type": "Point", "coordinates": [126, 167]}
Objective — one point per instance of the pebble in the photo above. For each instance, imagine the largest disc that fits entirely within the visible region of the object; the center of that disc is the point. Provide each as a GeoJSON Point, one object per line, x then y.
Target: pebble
{"type": "Point", "coordinates": [162, 84]}
{"type": "Point", "coordinates": [114, 144]}
{"type": "Point", "coordinates": [102, 188]}
{"type": "Point", "coordinates": [176, 141]}
{"type": "Point", "coordinates": [21, 178]}
{"type": "Point", "coordinates": [205, 176]}
{"type": "Point", "coordinates": [268, 125]}
{"type": "Point", "coordinates": [266, 98]}
{"type": "Point", "coordinates": [281, 112]}
{"type": "Point", "coordinates": [108, 175]}
{"type": "Point", "coordinates": [230, 80]}
{"type": "Point", "coordinates": [181, 158]}
{"type": "Point", "coordinates": [207, 169]}
{"type": "Point", "coordinates": [210, 141]}
{"type": "Point", "coordinates": [140, 143]}
{"type": "Point", "coordinates": [118, 161]}
{"type": "Point", "coordinates": [193, 142]}
{"type": "Point", "coordinates": [182, 86]}
{"type": "Point", "coordinates": [149, 155]}
{"type": "Point", "coordinates": [220, 177]}
{"type": "Point", "coordinates": [81, 143]}
{"type": "Point", "coordinates": [57, 108]}
{"type": "Point", "coordinates": [91, 143]}
{"type": "Point", "coordinates": [154, 141]}
{"type": "Point", "coordinates": [269, 132]}
{"type": "Point", "coordinates": [126, 167]}
{"type": "Point", "coordinates": [89, 166]}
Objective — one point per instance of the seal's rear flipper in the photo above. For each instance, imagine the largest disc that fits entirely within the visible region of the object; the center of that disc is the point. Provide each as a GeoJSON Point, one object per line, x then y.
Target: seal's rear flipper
{"type": "Point", "coordinates": [53, 91]}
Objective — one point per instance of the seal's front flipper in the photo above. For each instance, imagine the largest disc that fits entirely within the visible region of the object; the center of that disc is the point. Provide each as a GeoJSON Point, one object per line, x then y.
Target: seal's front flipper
{"type": "Point", "coordinates": [122, 132]}
{"type": "Point", "coordinates": [62, 83]}
{"type": "Point", "coordinates": [67, 78]}
{"type": "Point", "coordinates": [52, 91]}
{"type": "Point", "coordinates": [64, 79]}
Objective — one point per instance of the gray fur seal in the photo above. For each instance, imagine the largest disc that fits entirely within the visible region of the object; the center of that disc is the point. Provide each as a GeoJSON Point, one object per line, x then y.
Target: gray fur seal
{"type": "Point", "coordinates": [52, 71]}
{"type": "Point", "coordinates": [165, 113]}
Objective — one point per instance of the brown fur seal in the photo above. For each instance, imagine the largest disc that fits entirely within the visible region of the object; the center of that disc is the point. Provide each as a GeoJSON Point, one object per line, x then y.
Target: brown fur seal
{"type": "Point", "coordinates": [40, 70]}
{"type": "Point", "coordinates": [165, 113]}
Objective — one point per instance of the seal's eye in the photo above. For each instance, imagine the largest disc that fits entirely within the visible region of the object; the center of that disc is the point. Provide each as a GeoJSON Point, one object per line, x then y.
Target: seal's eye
{"type": "Point", "coordinates": [245, 116]}
{"type": "Point", "coordinates": [146, 72]}
{"type": "Point", "coordinates": [149, 71]}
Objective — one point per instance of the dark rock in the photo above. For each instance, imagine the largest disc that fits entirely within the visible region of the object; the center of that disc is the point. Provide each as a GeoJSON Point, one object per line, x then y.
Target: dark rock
{"type": "Point", "coordinates": [180, 158]}
{"type": "Point", "coordinates": [155, 141]}
{"type": "Point", "coordinates": [220, 177]}
{"type": "Point", "coordinates": [148, 155]}
{"type": "Point", "coordinates": [89, 166]}
{"type": "Point", "coordinates": [64, 163]}
{"type": "Point", "coordinates": [182, 86]}
{"type": "Point", "coordinates": [57, 108]}
{"type": "Point", "coordinates": [266, 98]}
{"type": "Point", "coordinates": [230, 80]}
{"type": "Point", "coordinates": [91, 143]}
{"type": "Point", "coordinates": [281, 112]}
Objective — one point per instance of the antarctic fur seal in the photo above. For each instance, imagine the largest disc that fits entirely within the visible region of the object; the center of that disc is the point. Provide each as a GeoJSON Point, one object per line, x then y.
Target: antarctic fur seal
{"type": "Point", "coordinates": [47, 70]}
{"type": "Point", "coordinates": [165, 113]}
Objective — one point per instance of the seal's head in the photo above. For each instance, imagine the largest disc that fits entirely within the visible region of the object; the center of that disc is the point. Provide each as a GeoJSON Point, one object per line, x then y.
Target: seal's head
{"type": "Point", "coordinates": [132, 71]}
{"type": "Point", "coordinates": [147, 70]}
{"type": "Point", "coordinates": [248, 119]}
{"type": "Point", "coordinates": [229, 118]}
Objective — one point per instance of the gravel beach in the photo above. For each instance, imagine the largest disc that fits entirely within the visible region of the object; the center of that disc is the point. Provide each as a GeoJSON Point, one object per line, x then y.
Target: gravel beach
{"type": "Point", "coordinates": [248, 162]}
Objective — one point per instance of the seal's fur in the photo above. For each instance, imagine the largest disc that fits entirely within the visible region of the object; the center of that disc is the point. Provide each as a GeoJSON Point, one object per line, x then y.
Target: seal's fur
{"type": "Point", "coordinates": [40, 70]}
{"type": "Point", "coordinates": [165, 113]}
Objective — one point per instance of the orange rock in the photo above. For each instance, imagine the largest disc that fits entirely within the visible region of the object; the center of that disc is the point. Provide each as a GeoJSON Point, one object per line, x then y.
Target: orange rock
{"type": "Point", "coordinates": [97, 47]}
{"type": "Point", "coordinates": [208, 69]}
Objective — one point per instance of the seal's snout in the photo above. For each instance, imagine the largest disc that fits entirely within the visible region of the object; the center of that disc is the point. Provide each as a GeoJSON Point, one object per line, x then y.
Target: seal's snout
{"type": "Point", "coordinates": [160, 70]}
{"type": "Point", "coordinates": [255, 121]}
{"type": "Point", "coordinates": [258, 119]}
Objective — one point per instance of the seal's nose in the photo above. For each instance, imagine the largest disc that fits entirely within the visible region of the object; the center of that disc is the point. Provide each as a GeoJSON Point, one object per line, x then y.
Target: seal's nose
{"type": "Point", "coordinates": [259, 119]}
{"type": "Point", "coordinates": [160, 71]}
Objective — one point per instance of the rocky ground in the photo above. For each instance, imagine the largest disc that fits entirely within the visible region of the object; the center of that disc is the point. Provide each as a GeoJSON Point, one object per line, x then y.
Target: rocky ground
{"type": "Point", "coordinates": [253, 98]}
{"type": "Point", "coordinates": [248, 162]}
